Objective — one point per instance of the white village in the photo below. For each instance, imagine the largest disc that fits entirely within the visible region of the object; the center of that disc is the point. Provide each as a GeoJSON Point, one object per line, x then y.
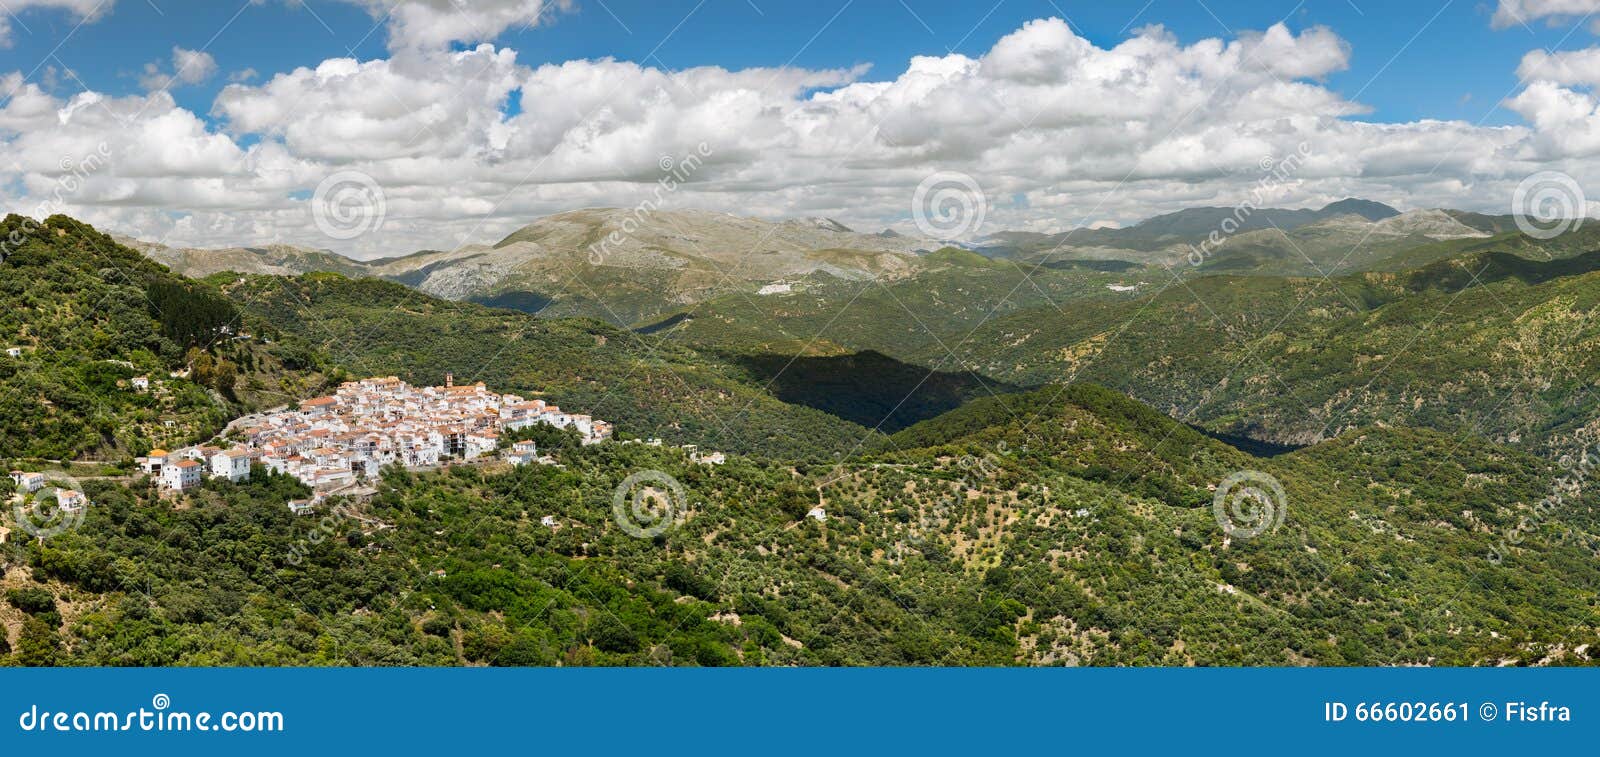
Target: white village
{"type": "Point", "coordinates": [334, 442]}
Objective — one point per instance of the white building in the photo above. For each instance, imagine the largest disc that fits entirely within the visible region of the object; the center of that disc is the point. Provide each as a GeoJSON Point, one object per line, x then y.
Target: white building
{"type": "Point", "coordinates": [233, 465]}
{"type": "Point", "coordinates": [13, 352]}
{"type": "Point", "coordinates": [27, 482]}
{"type": "Point", "coordinates": [140, 383]}
{"type": "Point", "coordinates": [71, 500]}
{"type": "Point", "coordinates": [153, 462]}
{"type": "Point", "coordinates": [181, 476]}
{"type": "Point", "coordinates": [522, 453]}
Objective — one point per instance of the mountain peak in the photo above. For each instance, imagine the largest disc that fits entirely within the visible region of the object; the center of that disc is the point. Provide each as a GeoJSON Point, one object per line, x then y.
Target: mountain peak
{"type": "Point", "coordinates": [1372, 211]}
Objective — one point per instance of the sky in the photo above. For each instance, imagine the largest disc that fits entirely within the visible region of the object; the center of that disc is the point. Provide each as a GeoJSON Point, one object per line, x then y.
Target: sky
{"type": "Point", "coordinates": [380, 127]}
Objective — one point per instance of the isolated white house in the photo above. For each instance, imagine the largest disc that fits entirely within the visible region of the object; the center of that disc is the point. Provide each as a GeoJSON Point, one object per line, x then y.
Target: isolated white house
{"type": "Point", "coordinates": [141, 383]}
{"type": "Point", "coordinates": [13, 352]}
{"type": "Point", "coordinates": [27, 482]}
{"type": "Point", "coordinates": [71, 500]}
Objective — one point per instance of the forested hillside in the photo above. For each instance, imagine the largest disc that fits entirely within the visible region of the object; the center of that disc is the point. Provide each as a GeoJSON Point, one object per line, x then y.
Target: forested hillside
{"type": "Point", "coordinates": [88, 315]}
{"type": "Point", "coordinates": [1070, 528]}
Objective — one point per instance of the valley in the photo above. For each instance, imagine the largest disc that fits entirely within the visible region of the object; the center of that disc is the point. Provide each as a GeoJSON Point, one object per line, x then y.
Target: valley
{"type": "Point", "coordinates": [934, 455]}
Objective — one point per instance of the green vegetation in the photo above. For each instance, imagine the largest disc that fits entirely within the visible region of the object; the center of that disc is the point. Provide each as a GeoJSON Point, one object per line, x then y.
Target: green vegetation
{"type": "Point", "coordinates": [1069, 527]}
{"type": "Point", "coordinates": [1011, 517]}
{"type": "Point", "coordinates": [648, 387]}
{"type": "Point", "coordinates": [90, 315]}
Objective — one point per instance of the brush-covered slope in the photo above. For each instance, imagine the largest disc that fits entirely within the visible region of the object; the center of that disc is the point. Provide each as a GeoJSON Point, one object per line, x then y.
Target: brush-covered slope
{"type": "Point", "coordinates": [962, 552]}
{"type": "Point", "coordinates": [276, 259]}
{"type": "Point", "coordinates": [89, 315]}
{"type": "Point", "coordinates": [1488, 343]}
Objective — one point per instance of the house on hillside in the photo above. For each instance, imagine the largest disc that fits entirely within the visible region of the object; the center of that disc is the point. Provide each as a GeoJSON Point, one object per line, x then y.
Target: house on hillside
{"type": "Point", "coordinates": [153, 462]}
{"type": "Point", "coordinates": [140, 383]}
{"type": "Point", "coordinates": [522, 453]}
{"type": "Point", "coordinates": [27, 483]}
{"type": "Point", "coordinates": [13, 352]}
{"type": "Point", "coordinates": [71, 500]}
{"type": "Point", "coordinates": [233, 465]}
{"type": "Point", "coordinates": [708, 458]}
{"type": "Point", "coordinates": [181, 476]}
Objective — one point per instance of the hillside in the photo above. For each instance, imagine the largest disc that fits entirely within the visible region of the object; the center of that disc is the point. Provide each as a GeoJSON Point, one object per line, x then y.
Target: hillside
{"type": "Point", "coordinates": [1486, 343]}
{"type": "Point", "coordinates": [622, 266]}
{"type": "Point", "coordinates": [647, 387]}
{"type": "Point", "coordinates": [1084, 539]}
{"type": "Point", "coordinates": [88, 316]}
{"type": "Point", "coordinates": [277, 260]}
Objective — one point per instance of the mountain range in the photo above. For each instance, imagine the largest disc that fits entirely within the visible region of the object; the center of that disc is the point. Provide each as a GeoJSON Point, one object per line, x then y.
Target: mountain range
{"type": "Point", "coordinates": [627, 266]}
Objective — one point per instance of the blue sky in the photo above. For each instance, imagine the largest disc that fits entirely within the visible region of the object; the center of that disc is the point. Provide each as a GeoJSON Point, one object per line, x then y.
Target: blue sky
{"type": "Point", "coordinates": [1410, 60]}
{"type": "Point", "coordinates": [1059, 113]}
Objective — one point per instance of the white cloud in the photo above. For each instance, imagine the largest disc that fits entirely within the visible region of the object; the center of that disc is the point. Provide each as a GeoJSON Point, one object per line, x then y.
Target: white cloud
{"type": "Point", "coordinates": [434, 24]}
{"type": "Point", "coordinates": [188, 67]}
{"type": "Point", "coordinates": [82, 10]}
{"type": "Point", "coordinates": [1059, 131]}
{"type": "Point", "coordinates": [1520, 12]}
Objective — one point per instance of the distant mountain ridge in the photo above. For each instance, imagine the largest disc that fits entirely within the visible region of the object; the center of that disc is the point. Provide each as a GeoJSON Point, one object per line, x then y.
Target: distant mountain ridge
{"type": "Point", "coordinates": [629, 267]}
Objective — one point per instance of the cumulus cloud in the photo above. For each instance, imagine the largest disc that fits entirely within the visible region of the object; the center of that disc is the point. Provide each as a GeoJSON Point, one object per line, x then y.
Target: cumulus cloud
{"type": "Point", "coordinates": [1518, 12]}
{"type": "Point", "coordinates": [469, 144]}
{"type": "Point", "coordinates": [82, 10]}
{"type": "Point", "coordinates": [434, 24]}
{"type": "Point", "coordinates": [188, 67]}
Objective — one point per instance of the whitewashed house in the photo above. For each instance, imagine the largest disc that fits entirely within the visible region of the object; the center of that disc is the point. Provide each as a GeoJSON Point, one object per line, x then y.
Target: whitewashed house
{"type": "Point", "coordinates": [233, 465]}
{"type": "Point", "coordinates": [181, 476]}
{"type": "Point", "coordinates": [153, 462]}
{"type": "Point", "coordinates": [71, 500]}
{"type": "Point", "coordinates": [27, 482]}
